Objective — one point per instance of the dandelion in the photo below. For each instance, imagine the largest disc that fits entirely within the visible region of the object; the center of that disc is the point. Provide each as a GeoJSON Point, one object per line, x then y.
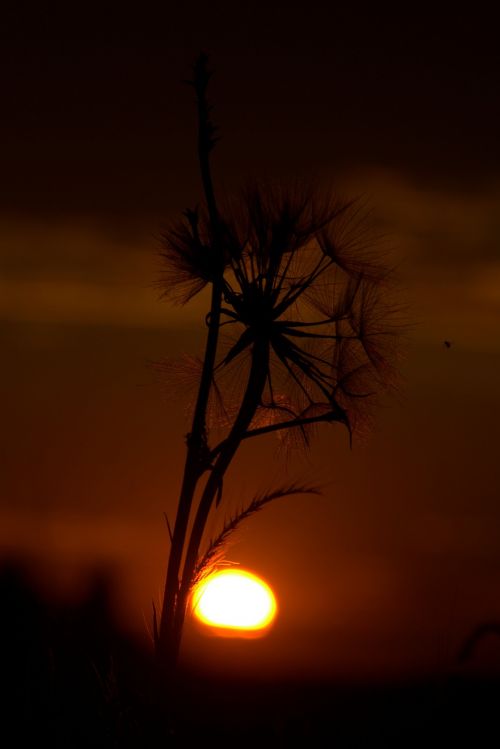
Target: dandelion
{"type": "Point", "coordinates": [299, 309]}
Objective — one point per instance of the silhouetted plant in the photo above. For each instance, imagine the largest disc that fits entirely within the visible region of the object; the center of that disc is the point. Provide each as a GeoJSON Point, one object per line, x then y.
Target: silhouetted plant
{"type": "Point", "coordinates": [299, 298]}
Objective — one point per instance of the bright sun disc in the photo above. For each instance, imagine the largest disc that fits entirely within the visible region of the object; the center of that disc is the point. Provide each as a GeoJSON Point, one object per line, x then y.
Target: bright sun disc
{"type": "Point", "coordinates": [234, 599]}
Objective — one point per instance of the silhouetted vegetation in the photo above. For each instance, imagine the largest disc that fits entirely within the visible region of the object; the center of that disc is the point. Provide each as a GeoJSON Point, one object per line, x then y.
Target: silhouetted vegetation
{"type": "Point", "coordinates": [69, 674]}
{"type": "Point", "coordinates": [301, 331]}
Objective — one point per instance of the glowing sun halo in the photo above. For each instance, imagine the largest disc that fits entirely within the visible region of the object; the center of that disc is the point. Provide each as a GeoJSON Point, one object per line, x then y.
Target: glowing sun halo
{"type": "Point", "coordinates": [234, 599]}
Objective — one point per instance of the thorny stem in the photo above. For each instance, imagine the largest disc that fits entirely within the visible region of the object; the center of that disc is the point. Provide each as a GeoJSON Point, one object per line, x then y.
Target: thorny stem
{"type": "Point", "coordinates": [195, 465]}
{"type": "Point", "coordinates": [250, 402]}
{"type": "Point", "coordinates": [197, 451]}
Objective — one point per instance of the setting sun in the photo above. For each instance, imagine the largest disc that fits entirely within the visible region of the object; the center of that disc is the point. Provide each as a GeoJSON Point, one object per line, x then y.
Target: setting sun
{"type": "Point", "coordinates": [234, 600]}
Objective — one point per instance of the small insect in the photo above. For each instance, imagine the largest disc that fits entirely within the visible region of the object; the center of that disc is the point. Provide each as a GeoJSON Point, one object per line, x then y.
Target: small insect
{"type": "Point", "coordinates": [447, 344]}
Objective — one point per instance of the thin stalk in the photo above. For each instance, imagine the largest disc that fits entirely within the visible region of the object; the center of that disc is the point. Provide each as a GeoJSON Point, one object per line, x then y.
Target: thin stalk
{"type": "Point", "coordinates": [328, 416]}
{"type": "Point", "coordinates": [197, 450]}
{"type": "Point", "coordinates": [194, 467]}
{"type": "Point", "coordinates": [251, 400]}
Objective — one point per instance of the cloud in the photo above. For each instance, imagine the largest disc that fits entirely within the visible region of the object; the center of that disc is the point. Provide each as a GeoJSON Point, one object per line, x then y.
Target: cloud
{"type": "Point", "coordinates": [446, 246]}
{"type": "Point", "coordinates": [431, 225]}
{"type": "Point", "coordinates": [72, 272]}
{"type": "Point", "coordinates": [67, 302]}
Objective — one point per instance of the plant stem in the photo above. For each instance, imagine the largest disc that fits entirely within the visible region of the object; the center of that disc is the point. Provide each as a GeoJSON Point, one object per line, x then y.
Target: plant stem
{"type": "Point", "coordinates": [193, 469]}
{"type": "Point", "coordinates": [197, 449]}
{"type": "Point", "coordinates": [251, 399]}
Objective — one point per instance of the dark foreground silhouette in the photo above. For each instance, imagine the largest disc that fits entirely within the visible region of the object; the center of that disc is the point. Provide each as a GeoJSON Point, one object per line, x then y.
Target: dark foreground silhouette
{"type": "Point", "coordinates": [71, 678]}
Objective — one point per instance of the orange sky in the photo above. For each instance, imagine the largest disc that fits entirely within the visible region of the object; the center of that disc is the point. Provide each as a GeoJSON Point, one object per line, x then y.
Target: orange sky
{"type": "Point", "coordinates": [401, 556]}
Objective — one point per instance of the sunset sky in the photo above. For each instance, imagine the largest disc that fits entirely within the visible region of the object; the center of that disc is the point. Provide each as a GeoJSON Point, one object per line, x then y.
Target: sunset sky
{"type": "Point", "coordinates": [389, 570]}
